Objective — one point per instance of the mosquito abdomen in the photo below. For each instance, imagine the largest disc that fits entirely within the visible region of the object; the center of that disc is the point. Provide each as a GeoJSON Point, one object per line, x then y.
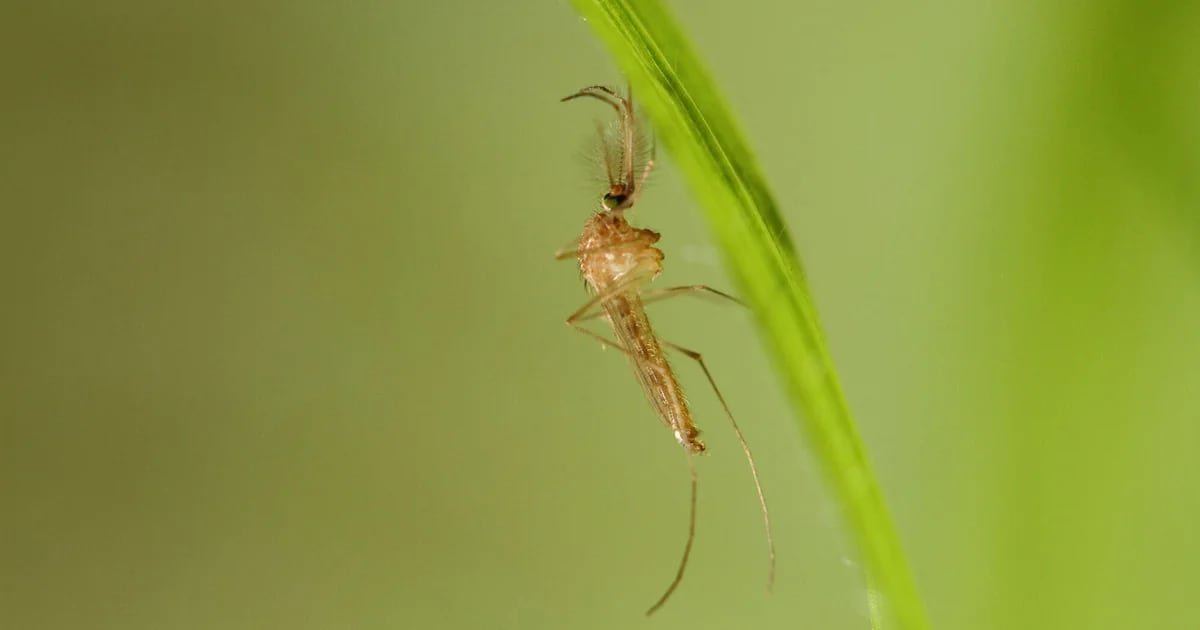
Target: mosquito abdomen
{"type": "Point", "coordinates": [632, 328]}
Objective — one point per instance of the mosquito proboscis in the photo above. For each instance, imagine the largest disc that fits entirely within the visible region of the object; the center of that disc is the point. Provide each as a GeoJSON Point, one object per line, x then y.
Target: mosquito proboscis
{"type": "Point", "coordinates": [617, 261]}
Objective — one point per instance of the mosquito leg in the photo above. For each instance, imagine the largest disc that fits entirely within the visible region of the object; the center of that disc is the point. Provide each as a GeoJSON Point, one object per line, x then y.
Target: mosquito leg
{"type": "Point", "coordinates": [591, 310]}
{"type": "Point", "coordinates": [574, 322]}
{"type": "Point", "coordinates": [762, 502]}
{"type": "Point", "coordinates": [658, 295]}
{"type": "Point", "coordinates": [590, 316]}
{"type": "Point", "coordinates": [624, 285]}
{"type": "Point", "coordinates": [649, 296]}
{"type": "Point", "coordinates": [567, 251]}
{"type": "Point", "coordinates": [583, 315]}
{"type": "Point", "coordinates": [604, 341]}
{"type": "Point", "coordinates": [687, 548]}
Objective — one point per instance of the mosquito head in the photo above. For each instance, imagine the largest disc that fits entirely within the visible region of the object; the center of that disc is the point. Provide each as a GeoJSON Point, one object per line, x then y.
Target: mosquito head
{"type": "Point", "coordinates": [617, 198]}
{"type": "Point", "coordinates": [619, 157]}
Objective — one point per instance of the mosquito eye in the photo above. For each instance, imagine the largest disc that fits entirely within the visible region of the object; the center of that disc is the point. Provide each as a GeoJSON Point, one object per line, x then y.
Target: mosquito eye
{"type": "Point", "coordinates": [612, 201]}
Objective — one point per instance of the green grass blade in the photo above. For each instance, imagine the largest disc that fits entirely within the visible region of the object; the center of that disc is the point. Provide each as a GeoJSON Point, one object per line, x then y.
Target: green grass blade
{"type": "Point", "coordinates": [690, 117]}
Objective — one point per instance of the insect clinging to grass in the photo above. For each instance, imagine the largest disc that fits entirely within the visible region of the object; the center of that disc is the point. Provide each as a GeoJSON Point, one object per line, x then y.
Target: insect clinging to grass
{"type": "Point", "coordinates": [617, 261]}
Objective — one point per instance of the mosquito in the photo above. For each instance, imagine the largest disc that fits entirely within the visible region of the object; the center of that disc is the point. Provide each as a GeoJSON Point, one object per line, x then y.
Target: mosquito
{"type": "Point", "coordinates": [617, 261]}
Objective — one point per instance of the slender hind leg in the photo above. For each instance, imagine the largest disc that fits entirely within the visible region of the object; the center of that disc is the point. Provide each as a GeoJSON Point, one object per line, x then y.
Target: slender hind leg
{"type": "Point", "coordinates": [762, 502]}
{"type": "Point", "coordinates": [574, 320]}
{"type": "Point", "coordinates": [687, 547]}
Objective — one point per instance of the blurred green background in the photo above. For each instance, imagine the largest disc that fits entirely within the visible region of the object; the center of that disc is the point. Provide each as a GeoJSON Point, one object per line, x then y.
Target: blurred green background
{"type": "Point", "coordinates": [283, 341]}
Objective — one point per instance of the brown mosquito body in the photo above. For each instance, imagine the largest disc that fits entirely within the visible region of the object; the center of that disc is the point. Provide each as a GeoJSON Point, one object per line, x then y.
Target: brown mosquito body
{"type": "Point", "coordinates": [617, 261]}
